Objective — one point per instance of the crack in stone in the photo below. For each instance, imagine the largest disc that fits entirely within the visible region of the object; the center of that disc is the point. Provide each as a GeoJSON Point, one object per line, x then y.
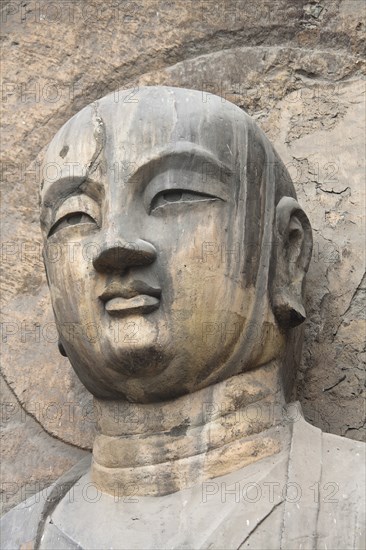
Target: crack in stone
{"type": "Point", "coordinates": [100, 138]}
{"type": "Point", "coordinates": [241, 545]}
{"type": "Point", "coordinates": [359, 287]}
{"type": "Point", "coordinates": [335, 383]}
{"type": "Point", "coordinates": [332, 192]}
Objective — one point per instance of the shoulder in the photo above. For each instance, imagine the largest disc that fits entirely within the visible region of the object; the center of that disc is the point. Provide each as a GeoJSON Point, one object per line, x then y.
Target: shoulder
{"type": "Point", "coordinates": [22, 525]}
{"type": "Point", "coordinates": [342, 492]}
{"type": "Point", "coordinates": [330, 472]}
{"type": "Point", "coordinates": [335, 447]}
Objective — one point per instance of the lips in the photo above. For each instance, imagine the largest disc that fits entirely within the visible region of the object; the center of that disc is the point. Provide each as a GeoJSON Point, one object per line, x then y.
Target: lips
{"type": "Point", "coordinates": [135, 297]}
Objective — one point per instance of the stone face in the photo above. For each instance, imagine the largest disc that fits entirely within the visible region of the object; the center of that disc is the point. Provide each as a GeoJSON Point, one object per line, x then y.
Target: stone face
{"type": "Point", "coordinates": [158, 190]}
{"type": "Point", "coordinates": [296, 68]}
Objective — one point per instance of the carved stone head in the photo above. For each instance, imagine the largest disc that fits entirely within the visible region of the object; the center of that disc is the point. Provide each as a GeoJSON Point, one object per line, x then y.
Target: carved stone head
{"type": "Point", "coordinates": [175, 249]}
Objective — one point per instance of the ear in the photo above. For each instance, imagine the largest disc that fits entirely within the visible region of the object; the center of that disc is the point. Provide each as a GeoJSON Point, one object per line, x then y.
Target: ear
{"type": "Point", "coordinates": [294, 244]}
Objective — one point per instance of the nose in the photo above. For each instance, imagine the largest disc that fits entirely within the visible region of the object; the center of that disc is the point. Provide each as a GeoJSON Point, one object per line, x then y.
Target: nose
{"type": "Point", "coordinates": [122, 255]}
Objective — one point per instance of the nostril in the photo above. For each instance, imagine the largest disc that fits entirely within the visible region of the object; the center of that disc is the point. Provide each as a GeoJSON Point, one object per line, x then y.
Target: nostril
{"type": "Point", "coordinates": [124, 255]}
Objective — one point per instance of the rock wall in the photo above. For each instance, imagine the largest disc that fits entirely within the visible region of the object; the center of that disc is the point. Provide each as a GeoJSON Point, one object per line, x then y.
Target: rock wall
{"type": "Point", "coordinates": [295, 66]}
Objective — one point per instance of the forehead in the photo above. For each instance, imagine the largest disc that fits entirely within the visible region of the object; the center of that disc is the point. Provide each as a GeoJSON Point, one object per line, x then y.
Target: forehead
{"type": "Point", "coordinates": [133, 127]}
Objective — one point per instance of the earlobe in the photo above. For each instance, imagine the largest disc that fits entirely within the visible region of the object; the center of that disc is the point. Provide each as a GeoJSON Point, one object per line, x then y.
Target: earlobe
{"type": "Point", "coordinates": [61, 349]}
{"type": "Point", "coordinates": [292, 258]}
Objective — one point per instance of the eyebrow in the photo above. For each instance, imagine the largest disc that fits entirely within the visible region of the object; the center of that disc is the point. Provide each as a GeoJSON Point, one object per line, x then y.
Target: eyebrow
{"type": "Point", "coordinates": [62, 189]}
{"type": "Point", "coordinates": [68, 186]}
{"type": "Point", "coordinates": [195, 157]}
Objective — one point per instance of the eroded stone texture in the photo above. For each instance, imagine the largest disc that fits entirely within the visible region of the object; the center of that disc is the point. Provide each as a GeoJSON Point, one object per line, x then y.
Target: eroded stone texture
{"type": "Point", "coordinates": [244, 509]}
{"type": "Point", "coordinates": [296, 67]}
{"type": "Point", "coordinates": [25, 475]}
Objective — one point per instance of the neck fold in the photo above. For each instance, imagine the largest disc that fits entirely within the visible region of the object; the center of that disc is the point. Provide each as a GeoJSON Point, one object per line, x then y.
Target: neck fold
{"type": "Point", "coordinates": [159, 448]}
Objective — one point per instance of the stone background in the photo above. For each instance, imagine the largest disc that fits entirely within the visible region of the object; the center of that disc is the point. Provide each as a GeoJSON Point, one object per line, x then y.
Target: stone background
{"type": "Point", "coordinates": [296, 67]}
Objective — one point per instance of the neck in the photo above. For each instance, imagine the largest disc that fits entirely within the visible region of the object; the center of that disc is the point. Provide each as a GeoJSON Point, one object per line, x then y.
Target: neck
{"type": "Point", "coordinates": [159, 448]}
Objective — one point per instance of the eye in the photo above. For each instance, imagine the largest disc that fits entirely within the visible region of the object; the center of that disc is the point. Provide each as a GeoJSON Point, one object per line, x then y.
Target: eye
{"type": "Point", "coordinates": [76, 218]}
{"type": "Point", "coordinates": [179, 196]}
{"type": "Point", "coordinates": [172, 196]}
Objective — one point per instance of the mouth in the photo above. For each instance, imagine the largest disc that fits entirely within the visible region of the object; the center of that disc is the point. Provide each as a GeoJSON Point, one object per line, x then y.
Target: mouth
{"type": "Point", "coordinates": [136, 297]}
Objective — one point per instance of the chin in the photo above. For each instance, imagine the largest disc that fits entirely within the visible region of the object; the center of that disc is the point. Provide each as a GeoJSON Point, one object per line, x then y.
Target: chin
{"type": "Point", "coordinates": [138, 360]}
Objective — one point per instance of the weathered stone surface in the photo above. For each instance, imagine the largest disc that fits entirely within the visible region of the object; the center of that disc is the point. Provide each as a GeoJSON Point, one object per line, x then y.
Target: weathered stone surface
{"type": "Point", "coordinates": [246, 508]}
{"type": "Point", "coordinates": [33, 459]}
{"type": "Point", "coordinates": [295, 66]}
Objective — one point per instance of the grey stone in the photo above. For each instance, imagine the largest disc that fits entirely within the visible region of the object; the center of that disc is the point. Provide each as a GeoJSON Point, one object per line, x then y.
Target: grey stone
{"type": "Point", "coordinates": [298, 76]}
{"type": "Point", "coordinates": [287, 501]}
{"type": "Point", "coordinates": [152, 182]}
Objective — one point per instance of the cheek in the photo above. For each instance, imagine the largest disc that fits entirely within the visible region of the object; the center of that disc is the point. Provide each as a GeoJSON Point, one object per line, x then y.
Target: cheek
{"type": "Point", "coordinates": [70, 280]}
{"type": "Point", "coordinates": [203, 264]}
{"type": "Point", "coordinates": [195, 239]}
{"type": "Point", "coordinates": [207, 294]}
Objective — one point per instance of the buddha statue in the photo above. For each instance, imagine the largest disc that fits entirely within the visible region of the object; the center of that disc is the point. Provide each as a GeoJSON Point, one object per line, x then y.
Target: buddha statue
{"type": "Point", "coordinates": [179, 300]}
